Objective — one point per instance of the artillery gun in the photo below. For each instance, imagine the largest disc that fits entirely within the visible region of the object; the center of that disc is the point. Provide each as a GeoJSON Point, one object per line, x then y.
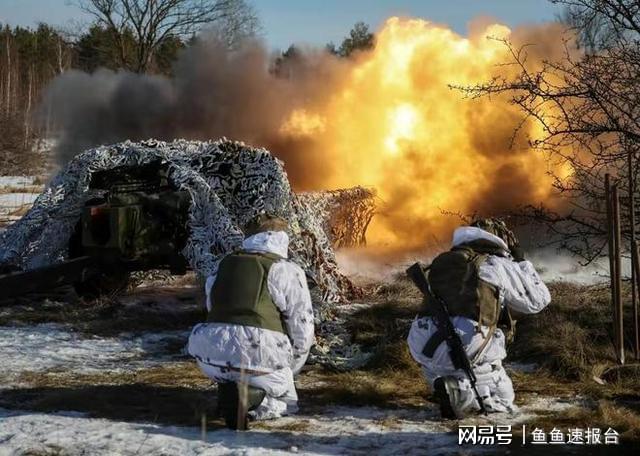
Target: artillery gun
{"type": "Point", "coordinates": [137, 223]}
{"type": "Point", "coordinates": [175, 206]}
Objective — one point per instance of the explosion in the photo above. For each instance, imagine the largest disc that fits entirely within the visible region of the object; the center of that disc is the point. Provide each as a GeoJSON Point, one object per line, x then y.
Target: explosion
{"type": "Point", "coordinates": [395, 123]}
{"type": "Point", "coordinates": [390, 118]}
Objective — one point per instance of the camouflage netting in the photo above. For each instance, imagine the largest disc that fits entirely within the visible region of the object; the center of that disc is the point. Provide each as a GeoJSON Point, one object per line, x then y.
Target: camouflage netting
{"type": "Point", "coordinates": [346, 213]}
{"type": "Point", "coordinates": [229, 183]}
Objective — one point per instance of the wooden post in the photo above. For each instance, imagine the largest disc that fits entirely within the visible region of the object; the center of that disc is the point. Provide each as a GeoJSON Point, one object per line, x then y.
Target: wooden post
{"type": "Point", "coordinates": [203, 426]}
{"type": "Point", "coordinates": [635, 257]}
{"type": "Point", "coordinates": [612, 247]}
{"type": "Point", "coordinates": [615, 197]}
{"type": "Point", "coordinates": [634, 253]}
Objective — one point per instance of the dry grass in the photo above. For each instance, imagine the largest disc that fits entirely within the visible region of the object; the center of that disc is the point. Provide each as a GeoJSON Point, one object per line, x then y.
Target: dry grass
{"type": "Point", "coordinates": [181, 374]}
{"type": "Point", "coordinates": [571, 336]}
{"type": "Point", "coordinates": [49, 450]}
{"type": "Point", "coordinates": [141, 310]}
{"type": "Point", "coordinates": [391, 378]}
{"type": "Point", "coordinates": [603, 415]}
{"type": "Point", "coordinates": [570, 341]}
{"type": "Point", "coordinates": [176, 393]}
{"type": "Point", "coordinates": [34, 188]}
{"type": "Point", "coordinates": [291, 426]}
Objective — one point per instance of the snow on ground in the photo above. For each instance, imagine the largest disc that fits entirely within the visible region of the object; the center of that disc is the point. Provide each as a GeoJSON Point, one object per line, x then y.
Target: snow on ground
{"type": "Point", "coordinates": [16, 181]}
{"type": "Point", "coordinates": [12, 201]}
{"type": "Point", "coordinates": [337, 431]}
{"type": "Point", "coordinates": [49, 346]}
{"type": "Point", "coordinates": [319, 430]}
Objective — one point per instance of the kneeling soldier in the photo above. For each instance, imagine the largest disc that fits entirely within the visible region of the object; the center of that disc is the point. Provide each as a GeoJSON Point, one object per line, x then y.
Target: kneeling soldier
{"type": "Point", "coordinates": [485, 283]}
{"type": "Point", "coordinates": [259, 328]}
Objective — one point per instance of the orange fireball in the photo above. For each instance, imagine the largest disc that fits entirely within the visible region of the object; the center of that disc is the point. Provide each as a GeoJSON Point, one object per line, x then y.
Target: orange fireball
{"type": "Point", "coordinates": [396, 124]}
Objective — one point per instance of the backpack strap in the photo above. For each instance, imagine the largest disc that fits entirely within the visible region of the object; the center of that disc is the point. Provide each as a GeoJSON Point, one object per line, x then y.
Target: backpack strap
{"type": "Point", "coordinates": [269, 255]}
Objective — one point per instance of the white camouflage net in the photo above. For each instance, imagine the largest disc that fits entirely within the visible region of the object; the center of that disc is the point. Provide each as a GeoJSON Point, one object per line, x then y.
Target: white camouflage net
{"type": "Point", "coordinates": [229, 184]}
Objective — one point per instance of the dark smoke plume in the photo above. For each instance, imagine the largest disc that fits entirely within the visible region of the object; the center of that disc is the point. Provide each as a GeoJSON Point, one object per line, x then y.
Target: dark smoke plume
{"type": "Point", "coordinates": [214, 92]}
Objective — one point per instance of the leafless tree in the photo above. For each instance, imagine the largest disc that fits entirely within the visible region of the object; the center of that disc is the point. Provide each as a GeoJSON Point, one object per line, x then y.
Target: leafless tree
{"type": "Point", "coordinates": [588, 105]}
{"type": "Point", "coordinates": [593, 30]}
{"type": "Point", "coordinates": [151, 22]}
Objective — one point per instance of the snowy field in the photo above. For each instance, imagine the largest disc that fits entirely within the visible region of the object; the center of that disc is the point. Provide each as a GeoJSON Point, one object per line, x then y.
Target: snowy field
{"type": "Point", "coordinates": [337, 431]}
{"type": "Point", "coordinates": [14, 200]}
{"type": "Point", "coordinates": [52, 347]}
{"type": "Point", "coordinates": [75, 380]}
{"type": "Point", "coordinates": [65, 391]}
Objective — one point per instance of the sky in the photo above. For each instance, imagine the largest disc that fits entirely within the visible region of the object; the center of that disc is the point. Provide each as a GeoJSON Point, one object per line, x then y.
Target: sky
{"type": "Point", "coordinates": [314, 22]}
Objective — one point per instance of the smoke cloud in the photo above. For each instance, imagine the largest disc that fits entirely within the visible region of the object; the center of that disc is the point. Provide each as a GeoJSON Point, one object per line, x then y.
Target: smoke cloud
{"type": "Point", "coordinates": [387, 119]}
{"type": "Point", "coordinates": [214, 92]}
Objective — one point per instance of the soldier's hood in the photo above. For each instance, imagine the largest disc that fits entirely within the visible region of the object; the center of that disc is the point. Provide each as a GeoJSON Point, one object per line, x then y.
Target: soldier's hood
{"type": "Point", "coordinates": [268, 241]}
{"type": "Point", "coordinates": [466, 234]}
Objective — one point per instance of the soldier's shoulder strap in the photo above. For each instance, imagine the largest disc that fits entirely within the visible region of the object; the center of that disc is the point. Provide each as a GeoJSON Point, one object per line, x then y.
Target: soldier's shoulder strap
{"type": "Point", "coordinates": [268, 255]}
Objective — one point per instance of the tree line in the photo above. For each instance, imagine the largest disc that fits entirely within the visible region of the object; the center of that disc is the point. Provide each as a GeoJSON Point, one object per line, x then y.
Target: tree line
{"type": "Point", "coordinates": [142, 36]}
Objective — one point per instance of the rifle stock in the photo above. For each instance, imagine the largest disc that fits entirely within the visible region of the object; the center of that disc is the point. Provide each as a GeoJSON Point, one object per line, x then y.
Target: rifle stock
{"type": "Point", "coordinates": [416, 274]}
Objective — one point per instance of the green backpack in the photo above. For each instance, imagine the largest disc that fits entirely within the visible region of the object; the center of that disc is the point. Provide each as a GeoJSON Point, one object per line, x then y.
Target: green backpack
{"type": "Point", "coordinates": [454, 277]}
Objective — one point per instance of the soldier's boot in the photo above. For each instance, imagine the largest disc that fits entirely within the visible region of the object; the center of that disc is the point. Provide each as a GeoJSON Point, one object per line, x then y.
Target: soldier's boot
{"type": "Point", "coordinates": [235, 400]}
{"type": "Point", "coordinates": [447, 393]}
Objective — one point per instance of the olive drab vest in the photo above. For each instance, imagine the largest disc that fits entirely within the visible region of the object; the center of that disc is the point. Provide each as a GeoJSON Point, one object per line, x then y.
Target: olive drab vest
{"type": "Point", "coordinates": [241, 294]}
{"type": "Point", "coordinates": [454, 277]}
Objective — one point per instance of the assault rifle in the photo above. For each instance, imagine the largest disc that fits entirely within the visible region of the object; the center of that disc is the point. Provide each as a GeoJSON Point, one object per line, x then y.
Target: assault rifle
{"type": "Point", "coordinates": [440, 315]}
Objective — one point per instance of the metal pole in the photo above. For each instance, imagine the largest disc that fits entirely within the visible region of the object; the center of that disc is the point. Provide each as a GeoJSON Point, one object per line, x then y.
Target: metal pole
{"type": "Point", "coordinates": [612, 247]}
{"type": "Point", "coordinates": [634, 269]}
{"type": "Point", "coordinates": [618, 279]}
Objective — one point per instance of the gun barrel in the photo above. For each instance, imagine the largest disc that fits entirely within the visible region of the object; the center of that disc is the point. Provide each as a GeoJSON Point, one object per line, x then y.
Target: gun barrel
{"type": "Point", "coordinates": [47, 277]}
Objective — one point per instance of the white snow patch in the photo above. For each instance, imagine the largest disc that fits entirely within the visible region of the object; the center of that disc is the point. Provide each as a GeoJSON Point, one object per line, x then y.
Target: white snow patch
{"type": "Point", "coordinates": [544, 404]}
{"type": "Point", "coordinates": [52, 346]}
{"type": "Point", "coordinates": [10, 201]}
{"type": "Point", "coordinates": [16, 181]}
{"type": "Point", "coordinates": [341, 430]}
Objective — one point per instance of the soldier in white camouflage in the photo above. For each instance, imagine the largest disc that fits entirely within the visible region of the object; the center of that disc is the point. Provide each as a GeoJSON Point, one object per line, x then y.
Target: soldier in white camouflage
{"type": "Point", "coordinates": [486, 284]}
{"type": "Point", "coordinates": [260, 326]}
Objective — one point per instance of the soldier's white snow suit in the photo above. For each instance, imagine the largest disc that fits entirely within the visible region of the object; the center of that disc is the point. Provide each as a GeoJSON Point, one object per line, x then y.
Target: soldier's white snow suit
{"type": "Point", "coordinates": [522, 290]}
{"type": "Point", "coordinates": [268, 358]}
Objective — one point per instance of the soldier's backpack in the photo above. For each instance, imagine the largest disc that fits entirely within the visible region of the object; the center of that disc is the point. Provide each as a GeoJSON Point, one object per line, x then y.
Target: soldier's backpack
{"type": "Point", "coordinates": [454, 277]}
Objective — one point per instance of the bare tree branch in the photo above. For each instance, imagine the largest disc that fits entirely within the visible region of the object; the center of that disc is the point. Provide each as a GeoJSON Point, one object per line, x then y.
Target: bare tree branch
{"type": "Point", "coordinates": [588, 105]}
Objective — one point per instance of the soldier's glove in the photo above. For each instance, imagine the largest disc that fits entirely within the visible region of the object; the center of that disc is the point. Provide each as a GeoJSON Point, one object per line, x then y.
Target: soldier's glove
{"type": "Point", "coordinates": [517, 253]}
